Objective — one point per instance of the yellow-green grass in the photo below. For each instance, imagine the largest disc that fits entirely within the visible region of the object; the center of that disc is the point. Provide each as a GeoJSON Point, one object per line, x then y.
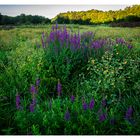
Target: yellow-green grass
{"type": "Point", "coordinates": [33, 34]}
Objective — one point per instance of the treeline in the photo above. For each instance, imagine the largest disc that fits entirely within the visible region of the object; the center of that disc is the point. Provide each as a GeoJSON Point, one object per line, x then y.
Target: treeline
{"type": "Point", "coordinates": [114, 18]}
{"type": "Point", "coordinates": [129, 14]}
{"type": "Point", "coordinates": [23, 20]}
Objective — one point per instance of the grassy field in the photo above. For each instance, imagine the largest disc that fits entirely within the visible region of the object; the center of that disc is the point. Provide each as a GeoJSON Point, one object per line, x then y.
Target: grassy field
{"type": "Point", "coordinates": [130, 34]}
{"type": "Point", "coordinates": [74, 80]}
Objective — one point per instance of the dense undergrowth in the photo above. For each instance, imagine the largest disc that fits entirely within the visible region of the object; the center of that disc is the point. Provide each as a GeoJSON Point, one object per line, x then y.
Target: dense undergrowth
{"type": "Point", "coordinates": [69, 83]}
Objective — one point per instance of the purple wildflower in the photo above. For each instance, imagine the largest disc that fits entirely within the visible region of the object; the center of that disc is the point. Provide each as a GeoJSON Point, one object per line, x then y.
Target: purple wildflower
{"type": "Point", "coordinates": [52, 36]}
{"type": "Point", "coordinates": [120, 41]}
{"type": "Point", "coordinates": [56, 26]}
{"type": "Point", "coordinates": [37, 82]}
{"type": "Point", "coordinates": [53, 28]}
{"type": "Point", "coordinates": [67, 115]}
{"type": "Point", "coordinates": [85, 106]}
{"type": "Point", "coordinates": [91, 105]}
{"type": "Point", "coordinates": [17, 101]}
{"type": "Point", "coordinates": [59, 88]}
{"type": "Point", "coordinates": [33, 89]}
{"type": "Point", "coordinates": [130, 46]}
{"type": "Point", "coordinates": [102, 117]}
{"type": "Point", "coordinates": [31, 107]}
{"type": "Point", "coordinates": [129, 113]}
{"type": "Point", "coordinates": [72, 98]}
{"type": "Point", "coordinates": [87, 37]}
{"type": "Point", "coordinates": [34, 101]}
{"type": "Point", "coordinates": [96, 44]}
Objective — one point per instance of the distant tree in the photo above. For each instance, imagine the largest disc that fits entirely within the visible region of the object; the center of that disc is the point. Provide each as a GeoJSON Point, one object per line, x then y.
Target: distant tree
{"type": "Point", "coordinates": [98, 17]}
{"type": "Point", "coordinates": [23, 19]}
{"type": "Point", "coordinates": [0, 18]}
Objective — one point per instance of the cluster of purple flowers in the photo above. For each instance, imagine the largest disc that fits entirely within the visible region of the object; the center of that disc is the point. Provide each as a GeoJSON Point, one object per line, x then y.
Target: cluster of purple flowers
{"type": "Point", "coordinates": [61, 37]}
{"type": "Point", "coordinates": [85, 105]}
{"type": "Point", "coordinates": [66, 39]}
{"type": "Point", "coordinates": [102, 117]}
{"type": "Point", "coordinates": [67, 115]}
{"type": "Point", "coordinates": [120, 41]}
{"type": "Point", "coordinates": [91, 105]}
{"type": "Point", "coordinates": [33, 89]}
{"type": "Point", "coordinates": [32, 107]}
{"type": "Point", "coordinates": [97, 44]}
{"type": "Point", "coordinates": [75, 41]}
{"type": "Point", "coordinates": [123, 42]}
{"type": "Point", "coordinates": [72, 98]}
{"type": "Point", "coordinates": [18, 101]}
{"type": "Point", "coordinates": [59, 88]}
{"type": "Point", "coordinates": [33, 103]}
{"type": "Point", "coordinates": [87, 37]}
{"type": "Point", "coordinates": [129, 113]}
{"type": "Point", "coordinates": [37, 82]}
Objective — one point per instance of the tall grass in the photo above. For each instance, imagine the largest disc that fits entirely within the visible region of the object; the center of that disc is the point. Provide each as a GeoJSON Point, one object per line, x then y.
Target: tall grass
{"type": "Point", "coordinates": [63, 80]}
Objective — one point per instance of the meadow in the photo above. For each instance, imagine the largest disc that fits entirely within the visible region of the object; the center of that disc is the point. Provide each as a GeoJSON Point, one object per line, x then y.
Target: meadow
{"type": "Point", "coordinates": [70, 80]}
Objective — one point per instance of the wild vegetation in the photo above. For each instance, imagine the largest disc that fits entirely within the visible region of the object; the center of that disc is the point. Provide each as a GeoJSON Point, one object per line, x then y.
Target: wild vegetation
{"type": "Point", "coordinates": [129, 14]}
{"type": "Point", "coordinates": [23, 20]}
{"type": "Point", "coordinates": [70, 80]}
{"type": "Point", "coordinates": [129, 17]}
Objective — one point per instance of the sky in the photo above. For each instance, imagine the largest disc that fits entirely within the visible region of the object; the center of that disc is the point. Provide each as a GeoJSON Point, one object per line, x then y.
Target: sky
{"type": "Point", "coordinates": [51, 11]}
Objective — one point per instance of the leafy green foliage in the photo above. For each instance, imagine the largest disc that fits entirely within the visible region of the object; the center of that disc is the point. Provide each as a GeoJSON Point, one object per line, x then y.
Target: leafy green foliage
{"type": "Point", "coordinates": [129, 14]}
{"type": "Point", "coordinates": [109, 76]}
{"type": "Point", "coordinates": [23, 19]}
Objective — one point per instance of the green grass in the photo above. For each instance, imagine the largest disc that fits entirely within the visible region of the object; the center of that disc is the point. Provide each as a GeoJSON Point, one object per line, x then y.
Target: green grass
{"type": "Point", "coordinates": [113, 75]}
{"type": "Point", "coordinates": [33, 32]}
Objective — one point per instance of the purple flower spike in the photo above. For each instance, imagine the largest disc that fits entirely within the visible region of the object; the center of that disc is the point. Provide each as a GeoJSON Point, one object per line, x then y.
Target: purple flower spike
{"type": "Point", "coordinates": [37, 82]}
{"type": "Point", "coordinates": [102, 117]}
{"type": "Point", "coordinates": [56, 26]}
{"type": "Point", "coordinates": [120, 41]}
{"type": "Point", "coordinates": [85, 106]}
{"type": "Point", "coordinates": [33, 89]}
{"type": "Point", "coordinates": [130, 46]}
{"type": "Point", "coordinates": [91, 105]}
{"type": "Point", "coordinates": [129, 113]}
{"type": "Point", "coordinates": [67, 116]}
{"type": "Point", "coordinates": [72, 98]}
{"type": "Point", "coordinates": [17, 101]}
{"type": "Point", "coordinates": [59, 88]}
{"type": "Point", "coordinates": [31, 107]}
{"type": "Point", "coordinates": [34, 101]}
{"type": "Point", "coordinates": [53, 28]}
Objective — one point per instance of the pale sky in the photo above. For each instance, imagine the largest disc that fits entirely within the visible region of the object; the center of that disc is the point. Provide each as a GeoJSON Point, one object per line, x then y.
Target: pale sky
{"type": "Point", "coordinates": [51, 11]}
